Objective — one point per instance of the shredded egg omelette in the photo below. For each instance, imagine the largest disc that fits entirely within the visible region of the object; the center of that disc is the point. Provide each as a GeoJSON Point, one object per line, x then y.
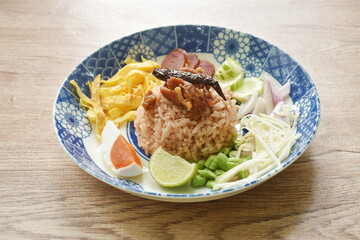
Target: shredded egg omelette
{"type": "Point", "coordinates": [117, 98]}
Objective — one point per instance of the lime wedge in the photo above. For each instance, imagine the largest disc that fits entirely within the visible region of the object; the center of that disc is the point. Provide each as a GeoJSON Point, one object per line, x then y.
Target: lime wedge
{"type": "Point", "coordinates": [169, 170]}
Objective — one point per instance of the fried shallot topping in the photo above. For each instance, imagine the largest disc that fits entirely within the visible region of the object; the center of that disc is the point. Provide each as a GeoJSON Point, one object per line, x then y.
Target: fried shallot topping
{"type": "Point", "coordinates": [149, 100]}
{"type": "Point", "coordinates": [195, 98]}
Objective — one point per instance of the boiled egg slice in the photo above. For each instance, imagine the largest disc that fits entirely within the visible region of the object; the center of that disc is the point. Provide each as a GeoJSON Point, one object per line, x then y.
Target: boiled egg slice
{"type": "Point", "coordinates": [118, 154]}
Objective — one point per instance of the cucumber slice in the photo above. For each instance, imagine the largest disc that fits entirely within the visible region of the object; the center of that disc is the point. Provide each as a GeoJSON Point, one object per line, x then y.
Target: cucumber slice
{"type": "Point", "coordinates": [228, 72]}
{"type": "Point", "coordinates": [231, 75]}
{"type": "Point", "coordinates": [247, 87]}
{"type": "Point", "coordinates": [232, 84]}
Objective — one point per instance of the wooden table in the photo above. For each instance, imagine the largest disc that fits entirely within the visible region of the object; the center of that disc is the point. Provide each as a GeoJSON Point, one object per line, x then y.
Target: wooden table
{"type": "Point", "coordinates": [44, 195]}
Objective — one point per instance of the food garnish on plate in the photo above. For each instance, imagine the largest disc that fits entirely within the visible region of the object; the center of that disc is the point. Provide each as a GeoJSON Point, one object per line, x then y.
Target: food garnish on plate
{"type": "Point", "coordinates": [118, 154]}
{"type": "Point", "coordinates": [117, 98]}
{"type": "Point", "coordinates": [234, 128]}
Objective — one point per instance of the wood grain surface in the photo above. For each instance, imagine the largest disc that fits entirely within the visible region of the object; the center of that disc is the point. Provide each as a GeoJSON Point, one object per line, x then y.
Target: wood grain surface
{"type": "Point", "coordinates": [44, 195]}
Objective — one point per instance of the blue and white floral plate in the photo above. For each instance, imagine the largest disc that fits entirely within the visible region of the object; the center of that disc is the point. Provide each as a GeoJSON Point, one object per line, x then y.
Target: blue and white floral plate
{"type": "Point", "coordinates": [215, 44]}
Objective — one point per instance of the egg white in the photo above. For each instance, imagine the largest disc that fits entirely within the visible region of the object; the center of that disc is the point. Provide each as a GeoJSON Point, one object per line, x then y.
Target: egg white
{"type": "Point", "coordinates": [109, 136]}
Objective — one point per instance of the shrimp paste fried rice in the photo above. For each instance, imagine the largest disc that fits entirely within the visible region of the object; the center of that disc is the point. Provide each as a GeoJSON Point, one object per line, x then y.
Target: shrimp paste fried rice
{"type": "Point", "coordinates": [169, 126]}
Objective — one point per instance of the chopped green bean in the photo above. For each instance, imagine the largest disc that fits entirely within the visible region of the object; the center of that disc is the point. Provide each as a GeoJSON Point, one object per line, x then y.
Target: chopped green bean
{"type": "Point", "coordinates": [226, 150]}
{"type": "Point", "coordinates": [218, 172]}
{"type": "Point", "coordinates": [246, 157]}
{"type": "Point", "coordinates": [233, 154]}
{"type": "Point", "coordinates": [222, 161]}
{"type": "Point", "coordinates": [198, 180]}
{"type": "Point", "coordinates": [200, 164]}
{"type": "Point", "coordinates": [236, 160]}
{"type": "Point", "coordinates": [209, 160]}
{"type": "Point", "coordinates": [210, 183]}
{"type": "Point", "coordinates": [232, 164]}
{"type": "Point", "coordinates": [214, 165]}
{"type": "Point", "coordinates": [207, 173]}
{"type": "Point", "coordinates": [243, 174]}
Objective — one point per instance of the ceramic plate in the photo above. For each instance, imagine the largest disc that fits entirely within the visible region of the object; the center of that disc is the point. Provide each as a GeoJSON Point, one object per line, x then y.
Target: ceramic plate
{"type": "Point", "coordinates": [215, 44]}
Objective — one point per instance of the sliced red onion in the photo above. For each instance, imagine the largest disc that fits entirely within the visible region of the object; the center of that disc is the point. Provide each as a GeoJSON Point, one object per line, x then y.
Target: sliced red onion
{"type": "Point", "coordinates": [260, 106]}
{"type": "Point", "coordinates": [268, 97]}
{"type": "Point", "coordinates": [248, 106]}
{"type": "Point", "coordinates": [277, 109]}
{"type": "Point", "coordinates": [279, 94]}
{"type": "Point", "coordinates": [284, 90]}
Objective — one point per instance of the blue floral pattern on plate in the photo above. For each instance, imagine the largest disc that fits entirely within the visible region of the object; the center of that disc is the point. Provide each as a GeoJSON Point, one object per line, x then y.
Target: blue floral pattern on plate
{"type": "Point", "coordinates": [256, 55]}
{"type": "Point", "coordinates": [72, 119]}
{"type": "Point", "coordinates": [229, 43]}
{"type": "Point", "coordinates": [160, 40]}
{"type": "Point", "coordinates": [252, 66]}
{"type": "Point", "coordinates": [279, 65]}
{"type": "Point", "coordinates": [192, 38]}
{"type": "Point", "coordinates": [120, 48]}
{"type": "Point", "coordinates": [102, 62]}
{"type": "Point", "coordinates": [137, 52]}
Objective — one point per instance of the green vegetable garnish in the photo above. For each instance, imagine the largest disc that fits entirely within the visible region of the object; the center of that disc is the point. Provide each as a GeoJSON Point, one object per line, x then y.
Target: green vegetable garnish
{"type": "Point", "coordinates": [210, 183]}
{"type": "Point", "coordinates": [233, 154]}
{"type": "Point", "coordinates": [209, 160]}
{"type": "Point", "coordinates": [198, 181]}
{"type": "Point", "coordinates": [243, 174]}
{"type": "Point", "coordinates": [228, 71]}
{"type": "Point", "coordinates": [201, 164]}
{"type": "Point", "coordinates": [218, 172]}
{"type": "Point", "coordinates": [226, 150]}
{"type": "Point", "coordinates": [231, 75]}
{"type": "Point", "coordinates": [247, 87]}
{"type": "Point", "coordinates": [207, 173]}
{"type": "Point", "coordinates": [214, 165]}
{"type": "Point", "coordinates": [222, 161]}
